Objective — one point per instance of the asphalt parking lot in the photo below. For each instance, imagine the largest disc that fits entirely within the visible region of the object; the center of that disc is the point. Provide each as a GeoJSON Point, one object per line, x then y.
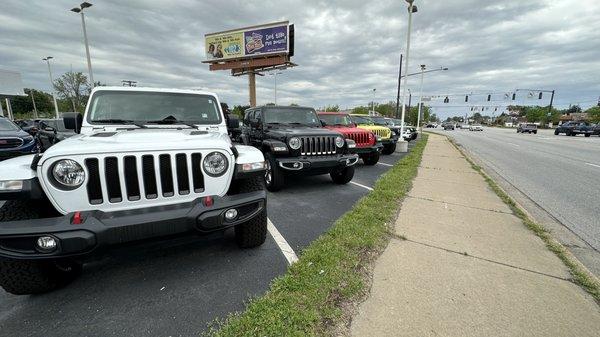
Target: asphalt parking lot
{"type": "Point", "coordinates": [177, 288]}
{"type": "Point", "coordinates": [557, 174]}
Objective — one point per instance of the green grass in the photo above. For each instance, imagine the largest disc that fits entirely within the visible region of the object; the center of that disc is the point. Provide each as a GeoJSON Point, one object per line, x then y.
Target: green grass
{"type": "Point", "coordinates": [307, 300]}
{"type": "Point", "coordinates": [580, 276]}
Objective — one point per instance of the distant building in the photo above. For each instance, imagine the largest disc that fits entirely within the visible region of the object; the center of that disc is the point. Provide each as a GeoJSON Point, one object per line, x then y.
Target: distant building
{"type": "Point", "coordinates": [577, 116]}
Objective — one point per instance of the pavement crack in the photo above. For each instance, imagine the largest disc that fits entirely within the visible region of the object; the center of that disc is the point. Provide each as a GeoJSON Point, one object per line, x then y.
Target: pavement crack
{"type": "Point", "coordinates": [466, 254]}
{"type": "Point", "coordinates": [461, 205]}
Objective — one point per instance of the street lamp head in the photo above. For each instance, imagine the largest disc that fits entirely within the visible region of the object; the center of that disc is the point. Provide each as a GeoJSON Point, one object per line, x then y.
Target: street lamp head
{"type": "Point", "coordinates": [444, 68]}
{"type": "Point", "coordinates": [422, 67]}
{"type": "Point", "coordinates": [76, 10]}
{"type": "Point", "coordinates": [85, 5]}
{"type": "Point", "coordinates": [47, 58]}
{"type": "Point", "coordinates": [414, 9]}
{"type": "Point", "coordinates": [410, 1]}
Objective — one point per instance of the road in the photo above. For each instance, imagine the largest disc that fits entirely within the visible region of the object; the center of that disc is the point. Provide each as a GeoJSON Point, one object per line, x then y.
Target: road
{"type": "Point", "coordinates": [177, 288]}
{"type": "Point", "coordinates": [558, 173]}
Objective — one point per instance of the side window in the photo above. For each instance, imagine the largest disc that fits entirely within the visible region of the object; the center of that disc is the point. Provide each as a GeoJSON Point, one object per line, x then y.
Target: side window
{"type": "Point", "coordinates": [248, 117]}
{"type": "Point", "coordinates": [258, 115]}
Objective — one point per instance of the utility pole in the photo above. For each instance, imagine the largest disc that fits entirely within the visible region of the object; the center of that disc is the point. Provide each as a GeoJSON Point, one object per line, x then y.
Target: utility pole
{"type": "Point", "coordinates": [275, 75]}
{"type": "Point", "coordinates": [398, 94]}
{"type": "Point", "coordinates": [252, 87]}
{"type": "Point", "coordinates": [373, 104]}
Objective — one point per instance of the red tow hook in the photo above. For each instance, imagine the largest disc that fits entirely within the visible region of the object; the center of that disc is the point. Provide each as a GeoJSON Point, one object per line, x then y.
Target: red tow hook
{"type": "Point", "coordinates": [77, 219]}
{"type": "Point", "coordinates": [208, 201]}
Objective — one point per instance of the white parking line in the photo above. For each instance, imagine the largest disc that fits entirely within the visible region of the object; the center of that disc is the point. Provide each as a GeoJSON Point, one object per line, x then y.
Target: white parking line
{"type": "Point", "coordinates": [594, 165]}
{"type": "Point", "coordinates": [361, 185]}
{"type": "Point", "coordinates": [384, 164]}
{"type": "Point", "coordinates": [284, 246]}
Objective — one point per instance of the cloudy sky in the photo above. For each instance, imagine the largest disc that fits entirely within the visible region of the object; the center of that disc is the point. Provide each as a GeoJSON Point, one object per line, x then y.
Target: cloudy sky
{"type": "Point", "coordinates": [344, 49]}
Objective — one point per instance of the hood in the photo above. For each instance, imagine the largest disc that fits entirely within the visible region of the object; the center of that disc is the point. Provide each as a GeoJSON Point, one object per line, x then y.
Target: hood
{"type": "Point", "coordinates": [346, 129]}
{"type": "Point", "coordinates": [14, 133]}
{"type": "Point", "coordinates": [286, 132]}
{"type": "Point", "coordinates": [139, 140]}
{"type": "Point", "coordinates": [372, 127]}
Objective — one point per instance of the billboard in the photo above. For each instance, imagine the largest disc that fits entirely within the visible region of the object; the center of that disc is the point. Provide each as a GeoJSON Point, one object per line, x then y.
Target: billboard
{"type": "Point", "coordinates": [11, 83]}
{"type": "Point", "coordinates": [269, 39]}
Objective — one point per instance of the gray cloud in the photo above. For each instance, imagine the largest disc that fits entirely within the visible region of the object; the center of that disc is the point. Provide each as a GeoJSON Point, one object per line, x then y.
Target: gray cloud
{"type": "Point", "coordinates": [344, 48]}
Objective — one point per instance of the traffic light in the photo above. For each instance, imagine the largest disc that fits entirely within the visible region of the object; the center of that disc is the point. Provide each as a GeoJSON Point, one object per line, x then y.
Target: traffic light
{"type": "Point", "coordinates": [489, 97]}
{"type": "Point", "coordinates": [514, 96]}
{"type": "Point", "coordinates": [471, 108]}
{"type": "Point", "coordinates": [446, 100]}
{"type": "Point", "coordinates": [466, 98]}
{"type": "Point", "coordinates": [540, 96]}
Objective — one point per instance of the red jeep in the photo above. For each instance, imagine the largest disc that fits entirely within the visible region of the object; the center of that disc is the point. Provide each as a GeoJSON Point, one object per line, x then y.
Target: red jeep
{"type": "Point", "coordinates": [368, 146]}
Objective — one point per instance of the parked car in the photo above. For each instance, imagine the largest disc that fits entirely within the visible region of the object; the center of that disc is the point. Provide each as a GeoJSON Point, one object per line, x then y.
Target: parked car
{"type": "Point", "coordinates": [575, 128]}
{"type": "Point", "coordinates": [28, 125]}
{"type": "Point", "coordinates": [52, 131]}
{"type": "Point", "coordinates": [410, 132]}
{"type": "Point", "coordinates": [431, 125]}
{"type": "Point", "coordinates": [527, 127]}
{"type": "Point", "coordinates": [368, 145]}
{"type": "Point", "coordinates": [149, 164]}
{"type": "Point", "coordinates": [14, 141]}
{"type": "Point", "coordinates": [596, 129]}
{"type": "Point", "coordinates": [475, 127]}
{"type": "Point", "coordinates": [448, 126]}
{"type": "Point", "coordinates": [388, 138]}
{"type": "Point", "coordinates": [294, 141]}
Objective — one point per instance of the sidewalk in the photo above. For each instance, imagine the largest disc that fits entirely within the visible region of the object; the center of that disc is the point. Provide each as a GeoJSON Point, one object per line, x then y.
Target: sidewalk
{"type": "Point", "coordinates": [468, 266]}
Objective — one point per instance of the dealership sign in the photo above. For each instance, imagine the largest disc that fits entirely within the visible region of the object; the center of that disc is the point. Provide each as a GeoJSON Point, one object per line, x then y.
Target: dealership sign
{"type": "Point", "coordinates": [270, 39]}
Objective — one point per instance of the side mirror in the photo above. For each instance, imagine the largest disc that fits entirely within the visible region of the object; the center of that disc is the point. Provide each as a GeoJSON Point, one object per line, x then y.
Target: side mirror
{"type": "Point", "coordinates": [233, 122]}
{"type": "Point", "coordinates": [323, 123]}
{"type": "Point", "coordinates": [73, 121]}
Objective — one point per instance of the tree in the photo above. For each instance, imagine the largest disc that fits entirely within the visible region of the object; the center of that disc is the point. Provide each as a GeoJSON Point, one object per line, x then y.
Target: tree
{"type": "Point", "coordinates": [573, 109]}
{"type": "Point", "coordinates": [361, 110]}
{"type": "Point", "coordinates": [594, 114]}
{"type": "Point", "coordinates": [73, 87]}
{"type": "Point", "coordinates": [434, 118]}
{"type": "Point", "coordinates": [331, 108]}
{"type": "Point", "coordinates": [239, 110]}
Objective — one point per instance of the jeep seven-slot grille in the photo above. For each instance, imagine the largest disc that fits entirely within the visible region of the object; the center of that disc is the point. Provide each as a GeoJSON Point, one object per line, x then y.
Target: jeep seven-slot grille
{"type": "Point", "coordinates": [317, 145]}
{"type": "Point", "coordinates": [360, 138]}
{"type": "Point", "coordinates": [169, 172]}
{"type": "Point", "coordinates": [383, 133]}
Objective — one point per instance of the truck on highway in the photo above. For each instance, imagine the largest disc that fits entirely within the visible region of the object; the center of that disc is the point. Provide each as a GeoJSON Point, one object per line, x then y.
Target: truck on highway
{"type": "Point", "coordinates": [575, 128]}
{"type": "Point", "coordinates": [527, 128]}
{"type": "Point", "coordinates": [145, 164]}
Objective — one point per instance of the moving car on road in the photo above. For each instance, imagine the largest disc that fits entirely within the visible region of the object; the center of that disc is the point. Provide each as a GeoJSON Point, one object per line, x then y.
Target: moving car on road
{"type": "Point", "coordinates": [14, 141]}
{"type": "Point", "coordinates": [575, 128]}
{"type": "Point", "coordinates": [448, 126]}
{"type": "Point", "coordinates": [388, 138]}
{"type": "Point", "coordinates": [368, 146]}
{"type": "Point", "coordinates": [52, 131]}
{"type": "Point", "coordinates": [148, 163]}
{"type": "Point", "coordinates": [475, 127]}
{"type": "Point", "coordinates": [527, 127]}
{"type": "Point", "coordinates": [294, 142]}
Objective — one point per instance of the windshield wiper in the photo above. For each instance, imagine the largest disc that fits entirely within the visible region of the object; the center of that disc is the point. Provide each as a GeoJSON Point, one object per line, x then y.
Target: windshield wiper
{"type": "Point", "coordinates": [170, 120]}
{"type": "Point", "coordinates": [120, 121]}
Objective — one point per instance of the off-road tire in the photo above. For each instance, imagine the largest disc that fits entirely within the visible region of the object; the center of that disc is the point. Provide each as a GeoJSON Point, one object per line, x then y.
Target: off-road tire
{"type": "Point", "coordinates": [371, 159]}
{"type": "Point", "coordinates": [556, 132]}
{"type": "Point", "coordinates": [535, 132]}
{"type": "Point", "coordinates": [277, 178]}
{"type": "Point", "coordinates": [342, 176]}
{"type": "Point", "coordinates": [25, 277]}
{"type": "Point", "coordinates": [587, 135]}
{"type": "Point", "coordinates": [252, 233]}
{"type": "Point", "coordinates": [389, 148]}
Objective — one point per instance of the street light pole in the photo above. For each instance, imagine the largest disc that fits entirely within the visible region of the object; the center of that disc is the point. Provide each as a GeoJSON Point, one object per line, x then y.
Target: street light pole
{"type": "Point", "coordinates": [420, 99]}
{"type": "Point", "coordinates": [79, 10]}
{"type": "Point", "coordinates": [47, 59]}
{"type": "Point", "coordinates": [411, 8]}
{"type": "Point", "coordinates": [275, 76]}
{"type": "Point", "coordinates": [373, 104]}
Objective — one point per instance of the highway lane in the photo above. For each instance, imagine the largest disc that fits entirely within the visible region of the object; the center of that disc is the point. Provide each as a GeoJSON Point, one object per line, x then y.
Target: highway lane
{"type": "Point", "coordinates": [559, 173]}
{"type": "Point", "coordinates": [178, 287]}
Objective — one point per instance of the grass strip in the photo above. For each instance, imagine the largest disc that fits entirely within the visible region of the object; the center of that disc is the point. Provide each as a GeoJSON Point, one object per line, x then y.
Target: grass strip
{"type": "Point", "coordinates": [580, 275]}
{"type": "Point", "coordinates": [306, 300]}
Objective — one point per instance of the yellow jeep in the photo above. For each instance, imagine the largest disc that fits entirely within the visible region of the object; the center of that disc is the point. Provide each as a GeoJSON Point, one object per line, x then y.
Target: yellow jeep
{"type": "Point", "coordinates": [385, 135]}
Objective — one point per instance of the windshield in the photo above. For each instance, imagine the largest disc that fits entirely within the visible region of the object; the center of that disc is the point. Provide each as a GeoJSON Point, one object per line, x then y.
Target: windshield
{"type": "Point", "coordinates": [6, 125]}
{"type": "Point", "coordinates": [362, 120]}
{"type": "Point", "coordinates": [336, 119]}
{"type": "Point", "coordinates": [282, 115]}
{"type": "Point", "coordinates": [153, 106]}
{"type": "Point", "coordinates": [380, 121]}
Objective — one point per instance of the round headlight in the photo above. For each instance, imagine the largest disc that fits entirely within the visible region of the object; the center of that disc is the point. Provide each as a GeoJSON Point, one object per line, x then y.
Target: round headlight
{"type": "Point", "coordinates": [339, 141]}
{"type": "Point", "coordinates": [68, 173]}
{"type": "Point", "coordinates": [294, 143]}
{"type": "Point", "coordinates": [215, 164]}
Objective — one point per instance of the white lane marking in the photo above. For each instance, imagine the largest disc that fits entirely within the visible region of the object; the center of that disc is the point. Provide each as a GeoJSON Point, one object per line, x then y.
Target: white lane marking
{"type": "Point", "coordinates": [517, 145]}
{"type": "Point", "coordinates": [594, 165]}
{"type": "Point", "coordinates": [361, 185]}
{"type": "Point", "coordinates": [384, 164]}
{"type": "Point", "coordinates": [283, 245]}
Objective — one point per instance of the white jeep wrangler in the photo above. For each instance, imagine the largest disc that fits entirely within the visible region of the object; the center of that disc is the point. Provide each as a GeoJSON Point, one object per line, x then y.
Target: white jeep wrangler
{"type": "Point", "coordinates": [147, 163]}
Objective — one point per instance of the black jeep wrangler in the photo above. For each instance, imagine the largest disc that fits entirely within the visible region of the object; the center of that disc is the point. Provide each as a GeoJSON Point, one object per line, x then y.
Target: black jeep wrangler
{"type": "Point", "coordinates": [294, 142]}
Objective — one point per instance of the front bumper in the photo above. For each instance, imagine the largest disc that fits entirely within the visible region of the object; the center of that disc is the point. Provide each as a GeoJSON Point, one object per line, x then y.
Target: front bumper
{"type": "Point", "coordinates": [389, 141]}
{"type": "Point", "coordinates": [28, 148]}
{"type": "Point", "coordinates": [316, 164]}
{"type": "Point", "coordinates": [101, 230]}
{"type": "Point", "coordinates": [368, 150]}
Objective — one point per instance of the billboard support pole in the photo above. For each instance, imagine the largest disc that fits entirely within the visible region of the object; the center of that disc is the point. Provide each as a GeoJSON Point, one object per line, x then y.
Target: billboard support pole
{"type": "Point", "coordinates": [252, 88]}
